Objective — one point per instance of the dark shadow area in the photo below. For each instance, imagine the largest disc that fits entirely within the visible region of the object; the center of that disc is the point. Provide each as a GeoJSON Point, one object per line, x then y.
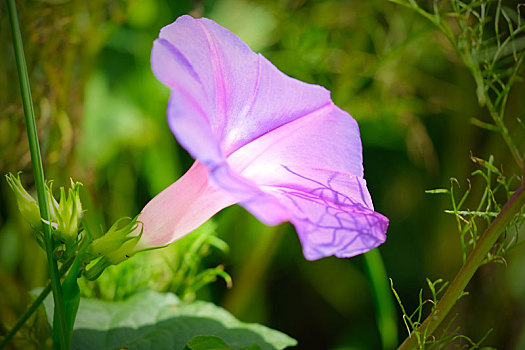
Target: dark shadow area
{"type": "Point", "coordinates": [172, 333]}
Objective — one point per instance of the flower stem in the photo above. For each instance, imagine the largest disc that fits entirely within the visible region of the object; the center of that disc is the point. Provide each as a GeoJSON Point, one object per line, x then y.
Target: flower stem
{"type": "Point", "coordinates": [38, 171]}
{"type": "Point", "coordinates": [475, 259]}
{"type": "Point", "coordinates": [384, 303]}
{"type": "Point", "coordinates": [32, 308]}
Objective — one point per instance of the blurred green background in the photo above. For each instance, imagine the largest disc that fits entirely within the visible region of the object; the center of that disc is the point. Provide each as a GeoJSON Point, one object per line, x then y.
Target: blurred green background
{"type": "Point", "coordinates": [102, 121]}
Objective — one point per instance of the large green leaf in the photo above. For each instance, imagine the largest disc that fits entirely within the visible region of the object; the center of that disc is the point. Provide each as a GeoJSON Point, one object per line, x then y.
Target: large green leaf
{"type": "Point", "coordinates": [151, 320]}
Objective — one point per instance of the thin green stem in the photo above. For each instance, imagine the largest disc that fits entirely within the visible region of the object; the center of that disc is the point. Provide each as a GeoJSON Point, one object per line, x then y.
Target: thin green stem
{"type": "Point", "coordinates": [38, 171]}
{"type": "Point", "coordinates": [473, 262]}
{"type": "Point", "coordinates": [32, 308]}
{"type": "Point", "coordinates": [22, 320]}
{"type": "Point", "coordinates": [384, 303]}
{"type": "Point", "coordinates": [506, 135]}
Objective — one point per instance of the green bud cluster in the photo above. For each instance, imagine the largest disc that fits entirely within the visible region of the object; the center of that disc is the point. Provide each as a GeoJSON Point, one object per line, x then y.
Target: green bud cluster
{"type": "Point", "coordinates": [64, 215]}
{"type": "Point", "coordinates": [115, 246]}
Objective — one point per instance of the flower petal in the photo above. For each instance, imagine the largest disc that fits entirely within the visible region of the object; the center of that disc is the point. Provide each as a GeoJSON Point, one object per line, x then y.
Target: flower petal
{"type": "Point", "coordinates": [237, 94]}
{"type": "Point", "coordinates": [264, 206]}
{"type": "Point", "coordinates": [325, 139]}
{"type": "Point", "coordinates": [188, 111]}
{"type": "Point", "coordinates": [276, 145]}
{"type": "Point", "coordinates": [182, 207]}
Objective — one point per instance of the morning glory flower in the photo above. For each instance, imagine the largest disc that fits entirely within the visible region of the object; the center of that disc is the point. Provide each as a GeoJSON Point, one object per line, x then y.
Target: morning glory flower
{"type": "Point", "coordinates": [275, 145]}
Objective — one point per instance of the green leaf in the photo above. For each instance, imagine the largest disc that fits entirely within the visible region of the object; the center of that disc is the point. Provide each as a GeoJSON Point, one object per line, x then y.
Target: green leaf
{"type": "Point", "coordinates": [206, 342]}
{"type": "Point", "coordinates": [151, 320]}
{"type": "Point", "coordinates": [253, 347]}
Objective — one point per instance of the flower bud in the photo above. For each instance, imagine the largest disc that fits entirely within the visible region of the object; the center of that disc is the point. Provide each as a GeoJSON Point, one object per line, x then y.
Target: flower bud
{"type": "Point", "coordinates": [68, 213]}
{"type": "Point", "coordinates": [52, 204]}
{"type": "Point", "coordinates": [27, 205]}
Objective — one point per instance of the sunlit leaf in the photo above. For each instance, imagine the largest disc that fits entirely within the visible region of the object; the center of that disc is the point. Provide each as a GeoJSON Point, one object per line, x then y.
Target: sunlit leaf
{"type": "Point", "coordinates": [151, 320]}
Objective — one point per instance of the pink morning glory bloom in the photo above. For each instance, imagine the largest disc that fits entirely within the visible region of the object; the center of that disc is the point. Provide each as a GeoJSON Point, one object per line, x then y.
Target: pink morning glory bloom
{"type": "Point", "coordinates": [275, 145]}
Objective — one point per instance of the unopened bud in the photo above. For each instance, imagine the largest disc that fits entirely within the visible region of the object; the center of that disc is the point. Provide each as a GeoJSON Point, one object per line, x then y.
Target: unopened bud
{"type": "Point", "coordinates": [27, 205]}
{"type": "Point", "coordinates": [52, 204]}
{"type": "Point", "coordinates": [68, 213]}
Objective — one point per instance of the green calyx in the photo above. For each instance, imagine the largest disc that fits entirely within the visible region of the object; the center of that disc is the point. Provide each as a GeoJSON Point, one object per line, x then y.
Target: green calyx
{"type": "Point", "coordinates": [118, 243]}
{"type": "Point", "coordinates": [64, 215]}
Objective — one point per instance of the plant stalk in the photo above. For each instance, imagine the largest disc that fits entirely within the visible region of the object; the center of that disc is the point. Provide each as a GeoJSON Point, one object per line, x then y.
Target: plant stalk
{"type": "Point", "coordinates": [38, 171]}
{"type": "Point", "coordinates": [383, 300]}
{"type": "Point", "coordinates": [465, 274]}
{"type": "Point", "coordinates": [32, 308]}
{"type": "Point", "coordinates": [22, 320]}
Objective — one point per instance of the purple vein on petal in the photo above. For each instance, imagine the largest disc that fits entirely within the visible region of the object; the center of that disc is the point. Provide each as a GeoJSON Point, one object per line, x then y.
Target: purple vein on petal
{"type": "Point", "coordinates": [328, 186]}
{"type": "Point", "coordinates": [249, 106]}
{"type": "Point", "coordinates": [344, 233]}
{"type": "Point", "coordinates": [192, 101]}
{"type": "Point", "coordinates": [294, 122]}
{"type": "Point", "coordinates": [218, 70]}
{"type": "Point", "coordinates": [179, 56]}
{"type": "Point", "coordinates": [291, 122]}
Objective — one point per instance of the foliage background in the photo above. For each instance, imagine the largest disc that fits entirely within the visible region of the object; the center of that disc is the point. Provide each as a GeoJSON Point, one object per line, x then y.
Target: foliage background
{"type": "Point", "coordinates": [102, 121]}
